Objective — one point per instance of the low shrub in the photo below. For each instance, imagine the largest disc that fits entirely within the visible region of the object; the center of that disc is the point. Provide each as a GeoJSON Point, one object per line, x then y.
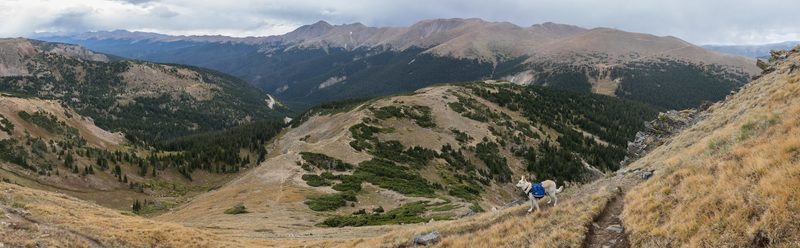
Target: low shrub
{"type": "Point", "coordinates": [238, 209]}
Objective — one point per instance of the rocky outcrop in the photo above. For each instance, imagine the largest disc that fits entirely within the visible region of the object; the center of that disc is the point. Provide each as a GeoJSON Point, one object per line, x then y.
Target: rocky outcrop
{"type": "Point", "coordinates": [775, 58]}
{"type": "Point", "coordinates": [658, 131]}
{"type": "Point", "coordinates": [428, 239]}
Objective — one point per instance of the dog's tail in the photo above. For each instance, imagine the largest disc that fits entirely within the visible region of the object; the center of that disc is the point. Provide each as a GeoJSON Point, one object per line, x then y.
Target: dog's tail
{"type": "Point", "coordinates": [559, 189]}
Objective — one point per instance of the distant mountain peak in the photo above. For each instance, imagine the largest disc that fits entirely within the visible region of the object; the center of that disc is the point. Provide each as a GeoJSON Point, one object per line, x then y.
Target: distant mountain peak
{"type": "Point", "coordinates": [321, 23]}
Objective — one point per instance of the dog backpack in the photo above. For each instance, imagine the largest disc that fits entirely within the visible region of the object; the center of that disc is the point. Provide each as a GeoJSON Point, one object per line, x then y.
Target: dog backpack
{"type": "Point", "coordinates": [537, 190]}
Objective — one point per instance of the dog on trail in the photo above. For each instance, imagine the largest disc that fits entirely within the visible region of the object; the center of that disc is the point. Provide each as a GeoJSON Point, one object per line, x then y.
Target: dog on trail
{"type": "Point", "coordinates": [536, 191]}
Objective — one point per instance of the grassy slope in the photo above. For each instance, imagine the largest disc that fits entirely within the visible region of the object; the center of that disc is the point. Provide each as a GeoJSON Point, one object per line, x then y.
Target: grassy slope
{"type": "Point", "coordinates": [38, 217]}
{"type": "Point", "coordinates": [732, 180]}
{"type": "Point", "coordinates": [147, 101]}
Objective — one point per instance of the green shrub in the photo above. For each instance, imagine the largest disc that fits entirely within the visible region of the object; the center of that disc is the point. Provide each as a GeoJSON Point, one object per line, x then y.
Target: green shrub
{"type": "Point", "coordinates": [364, 136]}
{"type": "Point", "coordinates": [315, 181]}
{"type": "Point", "coordinates": [461, 137]}
{"type": "Point", "coordinates": [466, 192]}
{"type": "Point", "coordinates": [476, 208]}
{"type": "Point", "coordinates": [238, 209]}
{"type": "Point", "coordinates": [328, 175]}
{"type": "Point", "coordinates": [330, 201]}
{"type": "Point", "coordinates": [325, 162]}
{"type": "Point", "coordinates": [458, 107]}
{"type": "Point", "coordinates": [445, 207]}
{"type": "Point", "coordinates": [349, 183]}
{"type": "Point", "coordinates": [489, 153]}
{"type": "Point", "coordinates": [6, 125]}
{"type": "Point", "coordinates": [12, 152]}
{"type": "Point", "coordinates": [407, 213]}
{"type": "Point", "coordinates": [388, 175]}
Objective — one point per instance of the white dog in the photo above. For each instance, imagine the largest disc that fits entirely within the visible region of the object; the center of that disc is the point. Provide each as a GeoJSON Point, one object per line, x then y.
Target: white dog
{"type": "Point", "coordinates": [549, 189]}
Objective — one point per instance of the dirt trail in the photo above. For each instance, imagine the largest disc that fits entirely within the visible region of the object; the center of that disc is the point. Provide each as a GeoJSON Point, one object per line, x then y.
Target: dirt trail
{"type": "Point", "coordinates": [607, 231]}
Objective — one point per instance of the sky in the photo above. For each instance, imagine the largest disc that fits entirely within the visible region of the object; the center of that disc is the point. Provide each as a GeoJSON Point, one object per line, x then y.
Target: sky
{"type": "Point", "coordinates": [697, 21]}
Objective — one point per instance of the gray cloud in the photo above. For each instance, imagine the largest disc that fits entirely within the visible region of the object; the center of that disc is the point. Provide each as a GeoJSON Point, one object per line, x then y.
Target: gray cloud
{"type": "Point", "coordinates": [136, 1]}
{"type": "Point", "coordinates": [702, 22]}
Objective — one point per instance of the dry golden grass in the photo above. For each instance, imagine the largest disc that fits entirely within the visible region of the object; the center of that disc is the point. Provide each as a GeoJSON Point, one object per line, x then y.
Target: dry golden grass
{"type": "Point", "coordinates": [39, 217]}
{"type": "Point", "coordinates": [733, 180]}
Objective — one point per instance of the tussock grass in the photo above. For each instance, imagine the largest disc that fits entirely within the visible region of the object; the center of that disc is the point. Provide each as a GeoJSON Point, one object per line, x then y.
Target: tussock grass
{"type": "Point", "coordinates": [733, 180]}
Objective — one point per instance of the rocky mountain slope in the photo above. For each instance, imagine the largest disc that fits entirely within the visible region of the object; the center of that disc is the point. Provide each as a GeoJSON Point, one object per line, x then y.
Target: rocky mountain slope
{"type": "Point", "coordinates": [728, 179]}
{"type": "Point", "coordinates": [322, 62]}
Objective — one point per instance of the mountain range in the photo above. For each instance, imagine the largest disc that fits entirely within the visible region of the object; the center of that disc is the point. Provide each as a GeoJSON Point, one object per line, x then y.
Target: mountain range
{"type": "Point", "coordinates": [392, 171]}
{"type": "Point", "coordinates": [322, 62]}
{"type": "Point", "coordinates": [752, 51]}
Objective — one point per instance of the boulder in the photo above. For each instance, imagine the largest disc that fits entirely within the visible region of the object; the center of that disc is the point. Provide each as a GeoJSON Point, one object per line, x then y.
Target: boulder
{"type": "Point", "coordinates": [428, 239]}
{"type": "Point", "coordinates": [615, 228]}
{"type": "Point", "coordinates": [646, 174]}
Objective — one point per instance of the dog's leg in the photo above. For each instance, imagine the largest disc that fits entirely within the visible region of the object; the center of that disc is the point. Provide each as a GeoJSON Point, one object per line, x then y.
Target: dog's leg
{"type": "Point", "coordinates": [536, 203]}
{"type": "Point", "coordinates": [531, 208]}
{"type": "Point", "coordinates": [556, 199]}
{"type": "Point", "coordinates": [549, 198]}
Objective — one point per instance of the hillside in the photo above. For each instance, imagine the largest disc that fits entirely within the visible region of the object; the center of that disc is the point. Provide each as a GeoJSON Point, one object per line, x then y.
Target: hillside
{"type": "Point", "coordinates": [322, 62]}
{"type": "Point", "coordinates": [116, 132]}
{"type": "Point", "coordinates": [728, 179]}
{"type": "Point", "coordinates": [441, 153]}
{"type": "Point", "coordinates": [148, 102]}
{"type": "Point", "coordinates": [46, 145]}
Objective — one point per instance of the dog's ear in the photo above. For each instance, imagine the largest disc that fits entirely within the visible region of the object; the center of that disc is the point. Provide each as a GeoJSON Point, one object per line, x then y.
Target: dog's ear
{"type": "Point", "coordinates": [522, 178]}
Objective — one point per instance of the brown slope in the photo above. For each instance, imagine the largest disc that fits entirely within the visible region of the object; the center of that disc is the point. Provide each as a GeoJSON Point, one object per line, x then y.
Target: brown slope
{"type": "Point", "coordinates": [463, 38]}
{"type": "Point", "coordinates": [732, 179]}
{"type": "Point", "coordinates": [37, 218]}
{"type": "Point", "coordinates": [16, 53]}
{"type": "Point", "coordinates": [621, 47]}
{"type": "Point", "coordinates": [11, 106]}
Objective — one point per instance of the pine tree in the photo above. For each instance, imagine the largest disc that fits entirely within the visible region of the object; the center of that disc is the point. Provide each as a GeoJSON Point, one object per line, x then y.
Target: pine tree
{"type": "Point", "coordinates": [118, 172]}
{"type": "Point", "coordinates": [137, 206]}
{"type": "Point", "coordinates": [69, 160]}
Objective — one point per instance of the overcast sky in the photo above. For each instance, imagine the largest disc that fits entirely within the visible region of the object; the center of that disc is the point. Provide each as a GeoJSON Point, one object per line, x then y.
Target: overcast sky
{"type": "Point", "coordinates": [697, 21]}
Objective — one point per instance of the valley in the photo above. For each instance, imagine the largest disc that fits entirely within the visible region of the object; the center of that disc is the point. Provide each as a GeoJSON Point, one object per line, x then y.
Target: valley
{"type": "Point", "coordinates": [106, 131]}
{"type": "Point", "coordinates": [356, 136]}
